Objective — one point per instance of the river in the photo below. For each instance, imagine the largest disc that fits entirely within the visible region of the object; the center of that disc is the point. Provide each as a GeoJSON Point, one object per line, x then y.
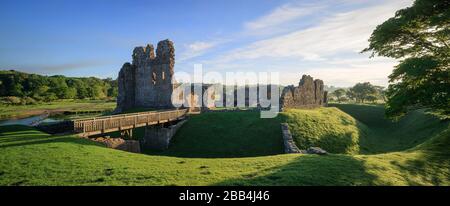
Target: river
{"type": "Point", "coordinates": [30, 121]}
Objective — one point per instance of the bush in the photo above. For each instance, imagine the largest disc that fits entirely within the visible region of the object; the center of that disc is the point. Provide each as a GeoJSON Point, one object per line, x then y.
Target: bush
{"type": "Point", "coordinates": [12, 100]}
{"type": "Point", "coordinates": [29, 100]}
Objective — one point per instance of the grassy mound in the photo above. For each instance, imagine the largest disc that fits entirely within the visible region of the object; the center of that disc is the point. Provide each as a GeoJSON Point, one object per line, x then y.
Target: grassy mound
{"type": "Point", "coordinates": [328, 128]}
{"type": "Point", "coordinates": [360, 129]}
{"type": "Point", "coordinates": [384, 135]}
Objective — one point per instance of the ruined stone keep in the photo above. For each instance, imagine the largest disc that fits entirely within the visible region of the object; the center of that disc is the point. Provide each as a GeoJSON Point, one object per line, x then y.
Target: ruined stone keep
{"type": "Point", "coordinates": [147, 81]}
{"type": "Point", "coordinates": [308, 94]}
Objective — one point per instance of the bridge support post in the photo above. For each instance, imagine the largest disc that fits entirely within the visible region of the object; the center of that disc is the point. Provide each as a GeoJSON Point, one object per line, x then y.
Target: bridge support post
{"type": "Point", "coordinates": [126, 134]}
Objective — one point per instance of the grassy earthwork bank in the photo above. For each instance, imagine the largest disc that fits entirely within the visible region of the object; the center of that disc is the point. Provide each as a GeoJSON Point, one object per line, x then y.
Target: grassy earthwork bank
{"type": "Point", "coordinates": [61, 106]}
{"type": "Point", "coordinates": [367, 150]}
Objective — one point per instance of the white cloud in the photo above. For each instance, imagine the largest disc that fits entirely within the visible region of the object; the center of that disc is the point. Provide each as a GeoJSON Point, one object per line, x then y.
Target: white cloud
{"type": "Point", "coordinates": [197, 49]}
{"type": "Point", "coordinates": [373, 71]}
{"type": "Point", "coordinates": [328, 50]}
{"type": "Point", "coordinates": [280, 15]}
{"type": "Point", "coordinates": [343, 32]}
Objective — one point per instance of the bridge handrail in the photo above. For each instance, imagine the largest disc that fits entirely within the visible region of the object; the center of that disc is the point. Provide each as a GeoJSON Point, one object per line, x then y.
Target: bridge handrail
{"type": "Point", "coordinates": [80, 124]}
{"type": "Point", "coordinates": [123, 115]}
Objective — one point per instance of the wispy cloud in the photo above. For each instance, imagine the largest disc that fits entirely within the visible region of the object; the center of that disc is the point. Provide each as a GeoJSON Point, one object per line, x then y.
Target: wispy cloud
{"type": "Point", "coordinates": [374, 71]}
{"type": "Point", "coordinates": [198, 48]}
{"type": "Point", "coordinates": [64, 67]}
{"type": "Point", "coordinates": [281, 15]}
{"type": "Point", "coordinates": [328, 50]}
{"type": "Point", "coordinates": [343, 32]}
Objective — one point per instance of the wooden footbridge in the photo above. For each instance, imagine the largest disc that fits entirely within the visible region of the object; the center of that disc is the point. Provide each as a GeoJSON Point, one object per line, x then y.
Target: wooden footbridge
{"type": "Point", "coordinates": [125, 123]}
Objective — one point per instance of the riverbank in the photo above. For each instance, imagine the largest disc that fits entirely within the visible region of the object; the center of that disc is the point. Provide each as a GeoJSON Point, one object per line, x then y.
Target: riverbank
{"type": "Point", "coordinates": [60, 107]}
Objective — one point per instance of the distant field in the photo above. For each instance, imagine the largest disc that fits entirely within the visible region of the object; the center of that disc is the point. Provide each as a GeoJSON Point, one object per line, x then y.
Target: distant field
{"type": "Point", "coordinates": [29, 157]}
{"type": "Point", "coordinates": [22, 111]}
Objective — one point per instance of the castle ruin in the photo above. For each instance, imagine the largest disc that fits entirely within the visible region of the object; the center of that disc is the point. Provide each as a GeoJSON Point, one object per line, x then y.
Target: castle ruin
{"type": "Point", "coordinates": [309, 93]}
{"type": "Point", "coordinates": [147, 81]}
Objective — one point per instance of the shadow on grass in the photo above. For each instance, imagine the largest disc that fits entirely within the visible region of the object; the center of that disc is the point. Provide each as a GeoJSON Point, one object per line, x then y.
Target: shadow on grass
{"type": "Point", "coordinates": [226, 135]}
{"type": "Point", "coordinates": [432, 162]}
{"type": "Point", "coordinates": [381, 135]}
{"type": "Point", "coordinates": [17, 135]}
{"type": "Point", "coordinates": [310, 170]}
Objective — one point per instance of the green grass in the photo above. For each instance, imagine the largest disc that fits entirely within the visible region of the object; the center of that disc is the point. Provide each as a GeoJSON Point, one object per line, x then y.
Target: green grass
{"type": "Point", "coordinates": [29, 157]}
{"type": "Point", "coordinates": [222, 134]}
{"type": "Point", "coordinates": [384, 135]}
{"type": "Point", "coordinates": [228, 134]}
{"type": "Point", "coordinates": [22, 111]}
{"type": "Point", "coordinates": [328, 128]}
{"type": "Point", "coordinates": [360, 129]}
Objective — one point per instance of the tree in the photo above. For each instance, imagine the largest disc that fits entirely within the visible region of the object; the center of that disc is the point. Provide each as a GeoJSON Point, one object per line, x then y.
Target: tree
{"type": "Point", "coordinates": [361, 91]}
{"type": "Point", "coordinates": [339, 93]}
{"type": "Point", "coordinates": [70, 93]}
{"type": "Point", "coordinates": [58, 86]}
{"type": "Point", "coordinates": [381, 93]}
{"type": "Point", "coordinates": [419, 36]}
{"type": "Point", "coordinates": [372, 98]}
{"type": "Point", "coordinates": [43, 88]}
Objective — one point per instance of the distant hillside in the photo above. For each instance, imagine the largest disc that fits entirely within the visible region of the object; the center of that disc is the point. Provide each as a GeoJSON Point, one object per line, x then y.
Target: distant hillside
{"type": "Point", "coordinates": [20, 86]}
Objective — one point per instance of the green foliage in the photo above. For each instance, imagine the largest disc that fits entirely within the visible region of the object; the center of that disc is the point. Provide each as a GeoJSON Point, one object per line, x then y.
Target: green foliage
{"type": "Point", "coordinates": [11, 100]}
{"type": "Point", "coordinates": [363, 91]}
{"type": "Point", "coordinates": [339, 94]}
{"type": "Point", "coordinates": [50, 88]}
{"type": "Point", "coordinates": [420, 37]}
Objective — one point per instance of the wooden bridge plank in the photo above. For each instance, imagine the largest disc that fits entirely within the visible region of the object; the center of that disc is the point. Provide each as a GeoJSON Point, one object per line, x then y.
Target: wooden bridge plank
{"type": "Point", "coordinates": [100, 125]}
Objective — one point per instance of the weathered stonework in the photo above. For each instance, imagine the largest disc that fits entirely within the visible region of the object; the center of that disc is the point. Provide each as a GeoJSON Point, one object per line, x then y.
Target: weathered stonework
{"type": "Point", "coordinates": [120, 144]}
{"type": "Point", "coordinates": [147, 81]}
{"type": "Point", "coordinates": [158, 138]}
{"type": "Point", "coordinates": [289, 144]}
{"type": "Point", "coordinates": [308, 94]}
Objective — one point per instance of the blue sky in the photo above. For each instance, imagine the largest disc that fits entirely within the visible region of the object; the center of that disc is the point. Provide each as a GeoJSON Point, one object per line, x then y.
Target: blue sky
{"type": "Point", "coordinates": [94, 38]}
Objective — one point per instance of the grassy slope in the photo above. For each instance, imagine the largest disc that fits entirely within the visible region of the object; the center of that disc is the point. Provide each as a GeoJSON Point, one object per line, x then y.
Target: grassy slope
{"type": "Point", "coordinates": [328, 128]}
{"type": "Point", "coordinates": [360, 129]}
{"type": "Point", "coordinates": [384, 135]}
{"type": "Point", "coordinates": [240, 134]}
{"type": "Point", "coordinates": [216, 135]}
{"type": "Point", "coordinates": [29, 157]}
{"type": "Point", "coordinates": [22, 111]}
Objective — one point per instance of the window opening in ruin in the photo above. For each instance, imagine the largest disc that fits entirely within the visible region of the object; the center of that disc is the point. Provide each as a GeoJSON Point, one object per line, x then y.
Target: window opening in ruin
{"type": "Point", "coordinates": [154, 78]}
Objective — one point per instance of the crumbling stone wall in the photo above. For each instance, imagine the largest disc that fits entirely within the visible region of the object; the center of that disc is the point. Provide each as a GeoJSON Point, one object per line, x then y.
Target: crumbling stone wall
{"type": "Point", "coordinates": [120, 144]}
{"type": "Point", "coordinates": [158, 137]}
{"type": "Point", "coordinates": [147, 81]}
{"type": "Point", "coordinates": [309, 93]}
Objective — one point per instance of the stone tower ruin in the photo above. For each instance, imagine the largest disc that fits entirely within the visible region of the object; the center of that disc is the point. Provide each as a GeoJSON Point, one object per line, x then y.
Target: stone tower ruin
{"type": "Point", "coordinates": [309, 93]}
{"type": "Point", "coordinates": [147, 81]}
